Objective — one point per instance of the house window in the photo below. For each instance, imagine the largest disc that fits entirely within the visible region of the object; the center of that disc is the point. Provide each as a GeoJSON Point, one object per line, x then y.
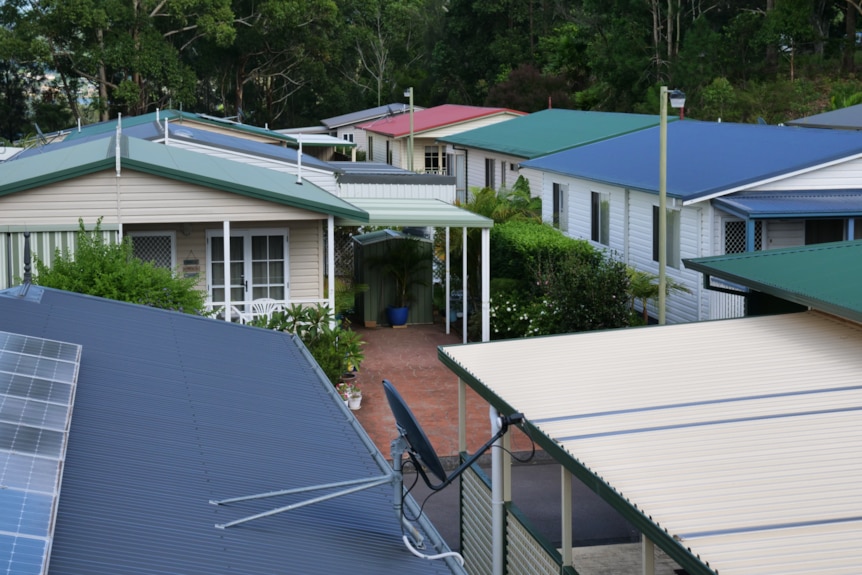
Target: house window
{"type": "Point", "coordinates": [560, 217]}
{"type": "Point", "coordinates": [489, 174]}
{"type": "Point", "coordinates": [673, 222]}
{"type": "Point", "coordinates": [502, 174]}
{"type": "Point", "coordinates": [155, 247]}
{"type": "Point", "coordinates": [857, 229]}
{"type": "Point", "coordinates": [433, 159]}
{"type": "Point", "coordinates": [736, 236]}
{"type": "Point", "coordinates": [370, 149]}
{"type": "Point", "coordinates": [348, 137]}
{"type": "Point", "coordinates": [388, 153]}
{"type": "Point", "coordinates": [601, 218]}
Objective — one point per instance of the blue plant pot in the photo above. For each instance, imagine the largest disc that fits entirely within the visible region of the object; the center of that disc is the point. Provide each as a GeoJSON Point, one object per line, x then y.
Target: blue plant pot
{"type": "Point", "coordinates": [397, 316]}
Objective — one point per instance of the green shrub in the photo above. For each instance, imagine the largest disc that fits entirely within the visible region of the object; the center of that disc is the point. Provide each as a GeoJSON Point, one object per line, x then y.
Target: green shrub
{"type": "Point", "coordinates": [110, 270]}
{"type": "Point", "coordinates": [335, 349]}
{"type": "Point", "coordinates": [519, 245]}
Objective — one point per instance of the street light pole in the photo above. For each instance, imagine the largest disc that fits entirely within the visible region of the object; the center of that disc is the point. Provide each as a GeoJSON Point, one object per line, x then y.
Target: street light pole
{"type": "Point", "coordinates": [409, 93]}
{"type": "Point", "coordinates": [662, 208]}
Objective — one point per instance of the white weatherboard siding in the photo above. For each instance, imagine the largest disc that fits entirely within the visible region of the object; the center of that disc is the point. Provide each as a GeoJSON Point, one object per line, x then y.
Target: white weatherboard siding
{"type": "Point", "coordinates": [747, 453]}
{"type": "Point", "coordinates": [631, 237]}
{"type": "Point", "coordinates": [536, 179]}
{"type": "Point", "coordinates": [476, 169]}
{"type": "Point", "coordinates": [844, 175]}
{"type": "Point", "coordinates": [443, 192]}
{"type": "Point", "coordinates": [784, 234]}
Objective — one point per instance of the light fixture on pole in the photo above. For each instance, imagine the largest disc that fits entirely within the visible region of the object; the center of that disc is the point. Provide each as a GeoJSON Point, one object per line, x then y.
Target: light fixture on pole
{"type": "Point", "coordinates": [677, 100]}
{"type": "Point", "coordinates": [408, 93]}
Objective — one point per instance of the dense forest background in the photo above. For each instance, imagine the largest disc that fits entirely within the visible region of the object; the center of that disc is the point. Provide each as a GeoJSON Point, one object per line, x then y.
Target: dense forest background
{"type": "Point", "coordinates": [288, 63]}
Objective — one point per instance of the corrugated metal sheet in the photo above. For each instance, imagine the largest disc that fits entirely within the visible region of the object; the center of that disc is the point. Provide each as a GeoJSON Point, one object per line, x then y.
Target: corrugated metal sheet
{"type": "Point", "coordinates": [550, 131]}
{"type": "Point", "coordinates": [793, 204]}
{"type": "Point", "coordinates": [830, 281]}
{"type": "Point", "coordinates": [732, 443]}
{"type": "Point", "coordinates": [173, 411]}
{"type": "Point", "coordinates": [415, 212]}
{"type": "Point", "coordinates": [398, 126]}
{"type": "Point", "coordinates": [747, 154]}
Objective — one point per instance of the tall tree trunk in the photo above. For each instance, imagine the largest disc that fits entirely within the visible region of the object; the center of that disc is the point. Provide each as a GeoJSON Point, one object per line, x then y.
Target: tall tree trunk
{"type": "Point", "coordinates": [848, 57]}
{"type": "Point", "coordinates": [103, 80]}
{"type": "Point", "coordinates": [771, 50]}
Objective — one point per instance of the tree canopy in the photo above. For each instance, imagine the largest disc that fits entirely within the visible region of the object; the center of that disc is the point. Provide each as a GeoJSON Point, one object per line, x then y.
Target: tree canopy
{"type": "Point", "coordinates": [287, 63]}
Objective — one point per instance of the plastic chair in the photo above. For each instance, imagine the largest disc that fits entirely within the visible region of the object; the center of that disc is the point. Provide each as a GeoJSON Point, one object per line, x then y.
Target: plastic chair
{"type": "Point", "coordinates": [264, 307]}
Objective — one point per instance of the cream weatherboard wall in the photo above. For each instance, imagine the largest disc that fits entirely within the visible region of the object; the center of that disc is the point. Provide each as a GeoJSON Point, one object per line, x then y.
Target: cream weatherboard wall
{"type": "Point", "coordinates": [147, 203]}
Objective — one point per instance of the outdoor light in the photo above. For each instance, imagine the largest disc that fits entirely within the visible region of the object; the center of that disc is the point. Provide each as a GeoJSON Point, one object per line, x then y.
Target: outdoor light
{"type": "Point", "coordinates": [677, 98]}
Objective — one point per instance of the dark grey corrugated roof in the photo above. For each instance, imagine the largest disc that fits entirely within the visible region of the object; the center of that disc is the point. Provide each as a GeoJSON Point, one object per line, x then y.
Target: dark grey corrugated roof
{"type": "Point", "coordinates": [381, 172]}
{"type": "Point", "coordinates": [849, 118]}
{"type": "Point", "coordinates": [369, 114]}
{"type": "Point", "coordinates": [174, 410]}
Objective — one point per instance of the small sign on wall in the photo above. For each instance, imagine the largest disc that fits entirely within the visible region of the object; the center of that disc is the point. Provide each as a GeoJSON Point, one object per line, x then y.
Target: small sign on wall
{"type": "Point", "coordinates": [191, 267]}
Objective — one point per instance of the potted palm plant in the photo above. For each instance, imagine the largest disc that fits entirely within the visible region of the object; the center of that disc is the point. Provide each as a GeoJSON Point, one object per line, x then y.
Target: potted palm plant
{"type": "Point", "coordinates": [403, 262]}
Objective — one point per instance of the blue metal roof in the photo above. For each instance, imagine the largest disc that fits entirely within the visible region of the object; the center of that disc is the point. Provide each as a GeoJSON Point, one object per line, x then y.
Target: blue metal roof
{"type": "Point", "coordinates": [704, 159]}
{"type": "Point", "coordinates": [172, 411]}
{"type": "Point", "coordinates": [793, 204]}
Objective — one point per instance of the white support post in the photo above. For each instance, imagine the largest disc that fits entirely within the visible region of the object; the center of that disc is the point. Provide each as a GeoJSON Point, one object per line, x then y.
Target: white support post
{"type": "Point", "coordinates": [648, 555]}
{"type": "Point", "coordinates": [464, 294]}
{"type": "Point", "coordinates": [330, 255]}
{"type": "Point", "coordinates": [566, 516]}
{"type": "Point", "coordinates": [227, 302]}
{"type": "Point", "coordinates": [486, 284]}
{"type": "Point", "coordinates": [447, 291]}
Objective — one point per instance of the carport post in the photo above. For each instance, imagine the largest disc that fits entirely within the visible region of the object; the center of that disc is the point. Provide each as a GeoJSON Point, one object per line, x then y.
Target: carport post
{"type": "Point", "coordinates": [486, 284]}
{"type": "Point", "coordinates": [446, 293]}
{"type": "Point", "coordinates": [330, 268]}
{"type": "Point", "coordinates": [648, 555]}
{"type": "Point", "coordinates": [566, 516]}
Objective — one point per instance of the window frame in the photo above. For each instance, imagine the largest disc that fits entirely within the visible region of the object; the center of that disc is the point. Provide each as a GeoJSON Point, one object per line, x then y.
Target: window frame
{"type": "Point", "coordinates": [674, 222]}
{"type": "Point", "coordinates": [600, 218]}
{"type": "Point", "coordinates": [559, 206]}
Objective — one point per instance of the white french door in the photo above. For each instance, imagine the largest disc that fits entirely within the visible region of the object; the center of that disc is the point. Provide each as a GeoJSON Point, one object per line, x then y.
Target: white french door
{"type": "Point", "coordinates": [258, 265]}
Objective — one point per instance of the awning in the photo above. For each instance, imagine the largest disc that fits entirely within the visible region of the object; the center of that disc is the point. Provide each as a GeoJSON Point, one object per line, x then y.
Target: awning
{"type": "Point", "coordinates": [414, 212]}
{"type": "Point", "coordinates": [792, 204]}
{"type": "Point", "coordinates": [733, 445]}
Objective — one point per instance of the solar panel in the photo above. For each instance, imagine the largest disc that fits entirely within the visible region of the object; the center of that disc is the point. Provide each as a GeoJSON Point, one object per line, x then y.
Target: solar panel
{"type": "Point", "coordinates": [37, 389]}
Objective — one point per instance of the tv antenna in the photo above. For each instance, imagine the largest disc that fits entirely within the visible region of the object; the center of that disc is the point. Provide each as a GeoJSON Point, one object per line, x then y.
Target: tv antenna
{"type": "Point", "coordinates": [412, 441]}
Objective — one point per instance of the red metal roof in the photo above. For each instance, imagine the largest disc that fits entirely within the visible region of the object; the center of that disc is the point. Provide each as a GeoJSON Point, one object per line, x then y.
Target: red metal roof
{"type": "Point", "coordinates": [431, 118]}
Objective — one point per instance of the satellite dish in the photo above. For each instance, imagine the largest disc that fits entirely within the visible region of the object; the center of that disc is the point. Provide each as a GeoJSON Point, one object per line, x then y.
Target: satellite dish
{"type": "Point", "coordinates": [419, 449]}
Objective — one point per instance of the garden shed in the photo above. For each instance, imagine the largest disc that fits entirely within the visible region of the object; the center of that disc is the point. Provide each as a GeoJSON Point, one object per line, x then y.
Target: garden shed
{"type": "Point", "coordinates": [372, 251]}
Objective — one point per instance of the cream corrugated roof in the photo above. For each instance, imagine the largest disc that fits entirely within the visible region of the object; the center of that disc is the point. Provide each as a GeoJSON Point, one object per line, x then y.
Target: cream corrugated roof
{"type": "Point", "coordinates": [414, 212]}
{"type": "Point", "coordinates": [736, 442]}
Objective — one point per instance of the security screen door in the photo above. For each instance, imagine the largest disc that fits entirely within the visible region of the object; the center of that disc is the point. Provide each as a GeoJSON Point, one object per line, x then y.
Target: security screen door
{"type": "Point", "coordinates": [258, 266]}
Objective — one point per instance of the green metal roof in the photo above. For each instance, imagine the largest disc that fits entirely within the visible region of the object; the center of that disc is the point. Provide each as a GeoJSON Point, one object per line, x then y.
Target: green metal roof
{"type": "Point", "coordinates": [414, 212]}
{"type": "Point", "coordinates": [822, 276]}
{"type": "Point", "coordinates": [550, 131]}
{"type": "Point", "coordinates": [176, 164]}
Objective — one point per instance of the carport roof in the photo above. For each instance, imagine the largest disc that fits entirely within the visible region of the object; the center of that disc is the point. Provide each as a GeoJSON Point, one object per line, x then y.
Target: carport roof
{"type": "Point", "coordinates": [793, 204]}
{"type": "Point", "coordinates": [414, 212]}
{"type": "Point", "coordinates": [741, 459]}
{"type": "Point", "coordinates": [822, 276]}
